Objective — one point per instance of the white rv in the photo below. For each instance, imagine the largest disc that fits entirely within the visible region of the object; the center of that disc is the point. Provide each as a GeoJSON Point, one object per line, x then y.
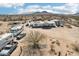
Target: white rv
{"type": "Point", "coordinates": [44, 24]}
{"type": "Point", "coordinates": [58, 23]}
{"type": "Point", "coordinates": [16, 30]}
{"type": "Point", "coordinates": [51, 24]}
{"type": "Point", "coordinates": [5, 39]}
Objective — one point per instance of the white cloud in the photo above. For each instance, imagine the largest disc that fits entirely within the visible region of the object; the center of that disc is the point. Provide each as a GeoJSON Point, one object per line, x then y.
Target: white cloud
{"type": "Point", "coordinates": [68, 8]}
{"type": "Point", "coordinates": [35, 8]}
{"type": "Point", "coordinates": [11, 5]}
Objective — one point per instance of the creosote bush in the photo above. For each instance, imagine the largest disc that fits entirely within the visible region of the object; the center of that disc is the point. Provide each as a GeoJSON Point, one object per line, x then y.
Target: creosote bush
{"type": "Point", "coordinates": [34, 38]}
{"type": "Point", "coordinates": [68, 25]}
{"type": "Point", "coordinates": [76, 46]}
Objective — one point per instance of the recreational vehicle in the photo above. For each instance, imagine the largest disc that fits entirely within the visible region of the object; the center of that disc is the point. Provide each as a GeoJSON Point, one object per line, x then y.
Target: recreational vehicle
{"type": "Point", "coordinates": [51, 24]}
{"type": "Point", "coordinates": [20, 36]}
{"type": "Point", "coordinates": [58, 23]}
{"type": "Point", "coordinates": [16, 30]}
{"type": "Point", "coordinates": [8, 49]}
{"type": "Point", "coordinates": [5, 39]}
{"type": "Point", "coordinates": [36, 24]}
{"type": "Point", "coordinates": [46, 24]}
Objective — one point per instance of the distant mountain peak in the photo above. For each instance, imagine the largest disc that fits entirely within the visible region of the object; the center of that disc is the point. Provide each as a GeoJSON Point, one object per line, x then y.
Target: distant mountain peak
{"type": "Point", "coordinates": [40, 12]}
{"type": "Point", "coordinates": [77, 14]}
{"type": "Point", "coordinates": [44, 12]}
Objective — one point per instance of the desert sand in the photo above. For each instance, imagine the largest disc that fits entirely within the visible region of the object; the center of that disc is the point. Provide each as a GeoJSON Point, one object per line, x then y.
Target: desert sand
{"type": "Point", "coordinates": [59, 41]}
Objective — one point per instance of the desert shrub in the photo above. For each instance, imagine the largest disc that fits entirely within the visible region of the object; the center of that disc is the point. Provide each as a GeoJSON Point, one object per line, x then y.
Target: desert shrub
{"type": "Point", "coordinates": [68, 25]}
{"type": "Point", "coordinates": [13, 23]}
{"type": "Point", "coordinates": [0, 24]}
{"type": "Point", "coordinates": [75, 46]}
{"type": "Point", "coordinates": [34, 41]}
{"type": "Point", "coordinates": [57, 42]}
{"type": "Point", "coordinates": [1, 32]}
{"type": "Point", "coordinates": [59, 53]}
{"type": "Point", "coordinates": [34, 37]}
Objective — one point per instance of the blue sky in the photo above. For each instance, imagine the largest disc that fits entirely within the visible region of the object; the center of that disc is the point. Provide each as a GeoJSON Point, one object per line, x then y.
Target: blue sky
{"type": "Point", "coordinates": [26, 8]}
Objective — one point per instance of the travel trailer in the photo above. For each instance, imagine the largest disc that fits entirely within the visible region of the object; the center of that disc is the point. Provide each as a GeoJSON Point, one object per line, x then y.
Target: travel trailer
{"type": "Point", "coordinates": [36, 24]}
{"type": "Point", "coordinates": [51, 24]}
{"type": "Point", "coordinates": [44, 24]}
{"type": "Point", "coordinates": [8, 49]}
{"type": "Point", "coordinates": [20, 36]}
{"type": "Point", "coordinates": [16, 30]}
{"type": "Point", "coordinates": [57, 23]}
{"type": "Point", "coordinates": [62, 23]}
{"type": "Point", "coordinates": [5, 39]}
